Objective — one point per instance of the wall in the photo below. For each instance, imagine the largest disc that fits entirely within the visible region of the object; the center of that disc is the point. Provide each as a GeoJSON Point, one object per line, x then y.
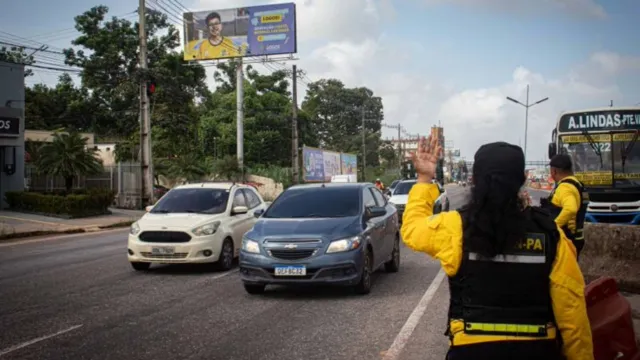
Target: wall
{"type": "Point", "coordinates": [11, 109]}
{"type": "Point", "coordinates": [47, 136]}
{"type": "Point", "coordinates": [267, 188]}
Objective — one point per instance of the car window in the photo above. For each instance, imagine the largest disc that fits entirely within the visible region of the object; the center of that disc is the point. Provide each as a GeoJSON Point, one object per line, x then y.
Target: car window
{"type": "Point", "coordinates": [316, 202]}
{"type": "Point", "coordinates": [239, 199]}
{"type": "Point", "coordinates": [367, 198]}
{"type": "Point", "coordinates": [380, 199]}
{"type": "Point", "coordinates": [252, 198]}
{"type": "Point", "coordinates": [394, 183]}
{"type": "Point", "coordinates": [199, 200]}
{"type": "Point", "coordinates": [403, 188]}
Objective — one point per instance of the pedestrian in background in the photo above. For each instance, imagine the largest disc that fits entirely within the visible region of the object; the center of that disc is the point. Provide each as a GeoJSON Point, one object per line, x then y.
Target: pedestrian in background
{"type": "Point", "coordinates": [515, 285]}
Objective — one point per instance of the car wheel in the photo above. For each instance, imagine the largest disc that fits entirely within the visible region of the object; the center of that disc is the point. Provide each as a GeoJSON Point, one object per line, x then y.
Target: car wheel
{"type": "Point", "coordinates": [254, 289]}
{"type": "Point", "coordinates": [140, 266]}
{"type": "Point", "coordinates": [446, 206]}
{"type": "Point", "coordinates": [393, 265]}
{"type": "Point", "coordinates": [437, 209]}
{"type": "Point", "coordinates": [364, 285]}
{"type": "Point", "coordinates": [225, 262]}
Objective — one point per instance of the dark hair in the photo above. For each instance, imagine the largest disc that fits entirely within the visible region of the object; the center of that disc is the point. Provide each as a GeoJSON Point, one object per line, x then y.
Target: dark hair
{"type": "Point", "coordinates": [562, 162]}
{"type": "Point", "coordinates": [493, 214]}
{"type": "Point", "coordinates": [211, 16]}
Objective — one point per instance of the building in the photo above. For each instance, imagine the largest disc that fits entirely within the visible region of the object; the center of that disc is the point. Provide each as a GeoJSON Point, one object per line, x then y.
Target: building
{"type": "Point", "coordinates": [11, 129]}
{"type": "Point", "coordinates": [407, 146]}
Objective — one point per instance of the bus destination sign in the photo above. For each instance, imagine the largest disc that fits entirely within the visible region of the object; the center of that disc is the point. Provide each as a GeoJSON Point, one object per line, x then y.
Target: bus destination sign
{"type": "Point", "coordinates": [600, 121]}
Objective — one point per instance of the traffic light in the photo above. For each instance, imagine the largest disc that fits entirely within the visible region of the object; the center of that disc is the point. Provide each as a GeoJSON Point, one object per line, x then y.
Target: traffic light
{"type": "Point", "coordinates": [151, 88]}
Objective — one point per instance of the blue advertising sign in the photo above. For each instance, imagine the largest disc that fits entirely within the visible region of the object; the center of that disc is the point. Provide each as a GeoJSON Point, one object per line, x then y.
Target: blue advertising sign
{"type": "Point", "coordinates": [313, 163]}
{"type": "Point", "coordinates": [272, 29]}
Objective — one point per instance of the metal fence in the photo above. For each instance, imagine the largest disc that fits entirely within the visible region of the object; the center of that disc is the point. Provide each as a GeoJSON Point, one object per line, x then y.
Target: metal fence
{"type": "Point", "coordinates": [122, 178]}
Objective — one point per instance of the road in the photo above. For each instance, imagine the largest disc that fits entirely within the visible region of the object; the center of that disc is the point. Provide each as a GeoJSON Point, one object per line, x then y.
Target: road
{"type": "Point", "coordinates": [76, 297]}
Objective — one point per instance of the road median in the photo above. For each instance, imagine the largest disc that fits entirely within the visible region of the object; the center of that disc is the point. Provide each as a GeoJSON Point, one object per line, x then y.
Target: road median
{"type": "Point", "coordinates": [6, 236]}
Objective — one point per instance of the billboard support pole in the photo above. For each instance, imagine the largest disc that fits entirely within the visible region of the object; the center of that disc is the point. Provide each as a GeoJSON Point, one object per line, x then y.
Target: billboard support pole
{"type": "Point", "coordinates": [146, 188]}
{"type": "Point", "coordinates": [240, 116]}
{"type": "Point", "coordinates": [294, 124]}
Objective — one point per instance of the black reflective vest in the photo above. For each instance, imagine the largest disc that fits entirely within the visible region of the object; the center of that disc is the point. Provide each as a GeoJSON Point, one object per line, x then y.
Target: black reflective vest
{"type": "Point", "coordinates": [508, 294]}
{"type": "Point", "coordinates": [546, 204]}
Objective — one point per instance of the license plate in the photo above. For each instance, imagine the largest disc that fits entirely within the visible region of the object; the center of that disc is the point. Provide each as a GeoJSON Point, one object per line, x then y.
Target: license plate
{"type": "Point", "coordinates": [162, 250]}
{"type": "Point", "coordinates": [290, 270]}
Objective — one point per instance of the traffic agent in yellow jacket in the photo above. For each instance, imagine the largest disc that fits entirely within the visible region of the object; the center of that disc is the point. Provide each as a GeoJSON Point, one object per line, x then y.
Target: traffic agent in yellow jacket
{"type": "Point", "coordinates": [568, 202]}
{"type": "Point", "coordinates": [441, 236]}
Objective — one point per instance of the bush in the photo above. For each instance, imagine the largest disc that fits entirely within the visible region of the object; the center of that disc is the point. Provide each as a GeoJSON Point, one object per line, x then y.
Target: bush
{"type": "Point", "coordinates": [78, 203]}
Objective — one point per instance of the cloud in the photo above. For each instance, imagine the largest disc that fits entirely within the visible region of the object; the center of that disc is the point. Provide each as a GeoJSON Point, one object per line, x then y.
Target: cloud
{"type": "Point", "coordinates": [585, 8]}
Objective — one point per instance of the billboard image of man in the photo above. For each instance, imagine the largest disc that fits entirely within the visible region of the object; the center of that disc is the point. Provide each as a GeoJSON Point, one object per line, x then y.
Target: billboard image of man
{"type": "Point", "coordinates": [216, 45]}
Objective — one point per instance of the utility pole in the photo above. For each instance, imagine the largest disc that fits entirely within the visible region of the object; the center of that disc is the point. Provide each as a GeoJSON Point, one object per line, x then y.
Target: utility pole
{"type": "Point", "coordinates": [526, 115]}
{"type": "Point", "coordinates": [399, 147]}
{"type": "Point", "coordinates": [239, 116]}
{"type": "Point", "coordinates": [364, 148]}
{"type": "Point", "coordinates": [146, 183]}
{"type": "Point", "coordinates": [294, 125]}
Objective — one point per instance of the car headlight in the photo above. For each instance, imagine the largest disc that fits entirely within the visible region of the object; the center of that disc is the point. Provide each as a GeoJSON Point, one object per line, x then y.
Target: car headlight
{"type": "Point", "coordinates": [251, 246]}
{"type": "Point", "coordinates": [344, 245]}
{"type": "Point", "coordinates": [135, 228]}
{"type": "Point", "coordinates": [206, 229]}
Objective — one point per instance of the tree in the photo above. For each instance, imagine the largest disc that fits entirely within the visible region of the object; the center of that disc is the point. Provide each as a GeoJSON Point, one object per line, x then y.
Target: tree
{"type": "Point", "coordinates": [17, 55]}
{"type": "Point", "coordinates": [67, 156]}
{"type": "Point", "coordinates": [389, 154]}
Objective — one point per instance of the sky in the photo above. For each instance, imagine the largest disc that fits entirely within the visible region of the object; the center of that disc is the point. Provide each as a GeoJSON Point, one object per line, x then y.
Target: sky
{"type": "Point", "coordinates": [448, 62]}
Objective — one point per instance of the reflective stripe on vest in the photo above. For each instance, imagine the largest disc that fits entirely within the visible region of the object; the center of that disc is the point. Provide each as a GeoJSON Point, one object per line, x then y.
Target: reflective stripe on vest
{"type": "Point", "coordinates": [528, 330]}
{"type": "Point", "coordinates": [507, 258]}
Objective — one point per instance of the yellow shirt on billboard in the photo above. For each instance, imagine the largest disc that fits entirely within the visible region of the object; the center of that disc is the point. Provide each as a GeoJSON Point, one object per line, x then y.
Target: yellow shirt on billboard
{"type": "Point", "coordinates": [204, 50]}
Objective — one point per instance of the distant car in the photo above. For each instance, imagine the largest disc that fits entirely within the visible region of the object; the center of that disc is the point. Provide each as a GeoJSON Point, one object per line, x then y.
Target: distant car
{"type": "Point", "coordinates": [333, 233]}
{"type": "Point", "coordinates": [400, 197]}
{"type": "Point", "coordinates": [392, 186]}
{"type": "Point", "coordinates": [195, 223]}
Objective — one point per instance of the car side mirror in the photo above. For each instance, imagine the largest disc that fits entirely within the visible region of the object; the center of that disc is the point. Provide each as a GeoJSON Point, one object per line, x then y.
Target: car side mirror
{"type": "Point", "coordinates": [374, 212]}
{"type": "Point", "coordinates": [148, 208]}
{"type": "Point", "coordinates": [258, 213]}
{"type": "Point", "coordinates": [238, 210]}
{"type": "Point", "coordinates": [552, 150]}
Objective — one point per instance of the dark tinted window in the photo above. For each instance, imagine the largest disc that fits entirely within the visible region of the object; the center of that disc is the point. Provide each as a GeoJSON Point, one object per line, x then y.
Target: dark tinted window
{"type": "Point", "coordinates": [394, 183]}
{"type": "Point", "coordinates": [316, 202]}
{"type": "Point", "coordinates": [200, 200]}
{"type": "Point", "coordinates": [403, 188]}
{"type": "Point", "coordinates": [239, 199]}
{"type": "Point", "coordinates": [367, 198]}
{"type": "Point", "coordinates": [252, 199]}
{"type": "Point", "coordinates": [380, 199]}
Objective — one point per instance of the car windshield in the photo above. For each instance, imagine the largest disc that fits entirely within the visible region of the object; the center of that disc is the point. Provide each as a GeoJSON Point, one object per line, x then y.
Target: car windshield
{"type": "Point", "coordinates": [394, 183]}
{"type": "Point", "coordinates": [591, 156]}
{"type": "Point", "coordinates": [197, 200]}
{"type": "Point", "coordinates": [403, 188]}
{"type": "Point", "coordinates": [316, 202]}
{"type": "Point", "coordinates": [626, 160]}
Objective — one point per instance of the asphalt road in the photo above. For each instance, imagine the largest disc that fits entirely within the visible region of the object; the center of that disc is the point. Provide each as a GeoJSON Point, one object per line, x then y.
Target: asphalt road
{"type": "Point", "coordinates": [76, 297]}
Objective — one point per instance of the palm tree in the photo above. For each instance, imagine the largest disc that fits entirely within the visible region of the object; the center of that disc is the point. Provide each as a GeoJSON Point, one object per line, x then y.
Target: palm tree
{"type": "Point", "coordinates": [67, 156]}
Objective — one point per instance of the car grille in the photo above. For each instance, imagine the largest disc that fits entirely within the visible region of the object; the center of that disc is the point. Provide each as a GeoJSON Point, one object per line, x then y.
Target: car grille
{"type": "Point", "coordinates": [164, 236]}
{"type": "Point", "coordinates": [164, 256]}
{"type": "Point", "coordinates": [292, 254]}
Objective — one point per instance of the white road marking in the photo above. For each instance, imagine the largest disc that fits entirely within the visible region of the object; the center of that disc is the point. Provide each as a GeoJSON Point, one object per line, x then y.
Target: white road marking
{"type": "Point", "coordinates": [223, 275]}
{"type": "Point", "coordinates": [410, 325]}
{"type": "Point", "coordinates": [37, 340]}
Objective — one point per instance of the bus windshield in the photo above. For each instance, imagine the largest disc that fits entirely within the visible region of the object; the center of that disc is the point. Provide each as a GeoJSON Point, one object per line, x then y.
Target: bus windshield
{"type": "Point", "coordinates": [626, 160]}
{"type": "Point", "coordinates": [591, 156]}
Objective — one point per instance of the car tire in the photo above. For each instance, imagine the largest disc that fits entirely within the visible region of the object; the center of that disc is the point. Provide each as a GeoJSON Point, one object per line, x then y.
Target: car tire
{"type": "Point", "coordinates": [446, 206]}
{"type": "Point", "coordinates": [254, 289]}
{"type": "Point", "coordinates": [364, 285]}
{"type": "Point", "coordinates": [140, 266]}
{"type": "Point", "coordinates": [225, 261]}
{"type": "Point", "coordinates": [393, 265]}
{"type": "Point", "coordinates": [437, 209]}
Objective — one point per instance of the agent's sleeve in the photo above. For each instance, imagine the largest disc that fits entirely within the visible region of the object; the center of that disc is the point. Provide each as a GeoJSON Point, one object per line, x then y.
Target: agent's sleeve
{"type": "Point", "coordinates": [440, 235]}
{"type": "Point", "coordinates": [566, 196]}
{"type": "Point", "coordinates": [568, 302]}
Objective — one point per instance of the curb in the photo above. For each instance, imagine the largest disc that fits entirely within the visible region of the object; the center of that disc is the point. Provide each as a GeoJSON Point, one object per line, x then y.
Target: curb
{"type": "Point", "coordinates": [27, 234]}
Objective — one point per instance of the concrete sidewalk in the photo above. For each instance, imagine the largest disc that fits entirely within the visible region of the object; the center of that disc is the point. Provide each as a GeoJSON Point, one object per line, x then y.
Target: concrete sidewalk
{"type": "Point", "coordinates": [15, 224]}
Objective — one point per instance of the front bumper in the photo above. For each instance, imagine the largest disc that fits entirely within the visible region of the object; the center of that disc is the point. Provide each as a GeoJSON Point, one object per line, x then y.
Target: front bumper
{"type": "Point", "coordinates": [343, 269]}
{"type": "Point", "coordinates": [193, 252]}
{"type": "Point", "coordinates": [624, 218]}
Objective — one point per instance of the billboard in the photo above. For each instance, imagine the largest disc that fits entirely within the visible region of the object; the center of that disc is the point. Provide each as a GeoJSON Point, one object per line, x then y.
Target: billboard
{"type": "Point", "coordinates": [240, 32]}
{"type": "Point", "coordinates": [349, 164]}
{"type": "Point", "coordinates": [320, 165]}
{"type": "Point", "coordinates": [331, 164]}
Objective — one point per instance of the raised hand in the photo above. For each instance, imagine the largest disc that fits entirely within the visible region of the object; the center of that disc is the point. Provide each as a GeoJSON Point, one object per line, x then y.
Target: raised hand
{"type": "Point", "coordinates": [425, 159]}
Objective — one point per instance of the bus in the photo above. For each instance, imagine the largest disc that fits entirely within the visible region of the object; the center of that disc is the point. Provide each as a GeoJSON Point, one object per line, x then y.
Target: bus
{"type": "Point", "coordinates": [606, 159]}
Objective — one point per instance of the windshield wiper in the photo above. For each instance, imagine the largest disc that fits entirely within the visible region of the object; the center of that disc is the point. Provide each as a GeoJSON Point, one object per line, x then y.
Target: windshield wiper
{"type": "Point", "coordinates": [625, 150]}
{"type": "Point", "coordinates": [594, 147]}
{"type": "Point", "coordinates": [197, 212]}
{"type": "Point", "coordinates": [160, 211]}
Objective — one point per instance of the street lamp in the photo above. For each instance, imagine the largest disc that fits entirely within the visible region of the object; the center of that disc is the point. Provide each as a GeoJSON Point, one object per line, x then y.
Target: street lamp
{"type": "Point", "coordinates": [526, 116]}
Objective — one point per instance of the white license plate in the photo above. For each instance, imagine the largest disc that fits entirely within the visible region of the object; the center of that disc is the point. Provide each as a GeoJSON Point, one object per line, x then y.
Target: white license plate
{"type": "Point", "coordinates": [291, 270]}
{"type": "Point", "coordinates": [162, 250]}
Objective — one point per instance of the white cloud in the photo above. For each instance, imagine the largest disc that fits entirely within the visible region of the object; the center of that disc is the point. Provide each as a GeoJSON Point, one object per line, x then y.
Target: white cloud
{"type": "Point", "coordinates": [588, 8]}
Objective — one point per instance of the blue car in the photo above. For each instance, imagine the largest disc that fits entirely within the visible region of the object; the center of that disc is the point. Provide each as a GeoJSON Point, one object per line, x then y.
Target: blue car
{"type": "Point", "coordinates": [333, 233]}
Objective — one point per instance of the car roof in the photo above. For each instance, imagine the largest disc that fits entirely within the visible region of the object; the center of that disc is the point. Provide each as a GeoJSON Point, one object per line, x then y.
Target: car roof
{"type": "Point", "coordinates": [408, 180]}
{"type": "Point", "coordinates": [212, 185]}
{"type": "Point", "coordinates": [331, 185]}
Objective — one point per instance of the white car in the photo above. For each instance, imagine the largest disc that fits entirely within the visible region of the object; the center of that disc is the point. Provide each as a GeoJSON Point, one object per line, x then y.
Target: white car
{"type": "Point", "coordinates": [195, 223]}
{"type": "Point", "coordinates": [400, 196]}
